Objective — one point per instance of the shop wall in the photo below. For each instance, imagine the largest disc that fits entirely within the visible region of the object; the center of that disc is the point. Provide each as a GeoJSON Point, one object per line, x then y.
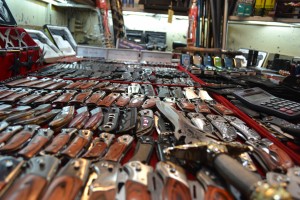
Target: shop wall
{"type": "Point", "coordinates": [33, 13]}
{"type": "Point", "coordinates": [274, 38]}
{"type": "Point", "coordinates": [83, 23]}
{"type": "Point", "coordinates": [176, 31]}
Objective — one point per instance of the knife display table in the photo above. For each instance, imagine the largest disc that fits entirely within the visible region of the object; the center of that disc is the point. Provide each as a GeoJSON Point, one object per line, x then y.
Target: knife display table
{"type": "Point", "coordinates": [104, 129]}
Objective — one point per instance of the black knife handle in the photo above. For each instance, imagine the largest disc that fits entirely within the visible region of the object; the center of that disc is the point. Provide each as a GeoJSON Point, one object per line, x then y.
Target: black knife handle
{"type": "Point", "coordinates": [232, 171]}
{"type": "Point", "coordinates": [143, 150]}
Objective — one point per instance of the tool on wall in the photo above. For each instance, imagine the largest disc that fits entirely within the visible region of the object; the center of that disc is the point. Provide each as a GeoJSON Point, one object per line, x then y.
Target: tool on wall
{"type": "Point", "coordinates": [208, 23]}
{"type": "Point", "coordinates": [102, 12]}
{"type": "Point", "coordinates": [117, 17]}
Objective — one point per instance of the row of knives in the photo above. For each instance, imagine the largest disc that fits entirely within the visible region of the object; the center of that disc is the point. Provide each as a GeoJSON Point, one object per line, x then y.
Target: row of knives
{"type": "Point", "coordinates": [90, 168]}
{"type": "Point", "coordinates": [121, 73]}
{"type": "Point", "coordinates": [135, 122]}
{"type": "Point", "coordinates": [70, 142]}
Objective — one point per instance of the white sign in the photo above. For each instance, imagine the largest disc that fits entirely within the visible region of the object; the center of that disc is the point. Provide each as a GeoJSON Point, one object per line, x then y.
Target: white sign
{"type": "Point", "coordinates": [123, 55]}
{"type": "Point", "coordinates": [156, 57]}
{"type": "Point", "coordinates": [91, 52]}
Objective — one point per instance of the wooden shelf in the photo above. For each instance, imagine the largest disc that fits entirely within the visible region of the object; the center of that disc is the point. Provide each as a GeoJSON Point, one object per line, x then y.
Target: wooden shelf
{"type": "Point", "coordinates": [264, 19]}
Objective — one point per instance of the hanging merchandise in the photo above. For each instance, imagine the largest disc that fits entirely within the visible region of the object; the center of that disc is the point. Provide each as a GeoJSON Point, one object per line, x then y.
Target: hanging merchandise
{"type": "Point", "coordinates": [102, 11]}
{"type": "Point", "coordinates": [193, 16]}
{"type": "Point", "coordinates": [117, 17]}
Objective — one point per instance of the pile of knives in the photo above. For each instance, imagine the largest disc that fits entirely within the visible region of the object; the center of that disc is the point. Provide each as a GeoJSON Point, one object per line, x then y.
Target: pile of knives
{"type": "Point", "coordinates": [93, 138]}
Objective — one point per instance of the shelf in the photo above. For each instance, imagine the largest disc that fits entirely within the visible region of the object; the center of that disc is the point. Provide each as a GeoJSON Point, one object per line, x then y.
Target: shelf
{"type": "Point", "coordinates": [68, 5]}
{"type": "Point", "coordinates": [264, 19]}
{"type": "Point", "coordinates": [153, 11]}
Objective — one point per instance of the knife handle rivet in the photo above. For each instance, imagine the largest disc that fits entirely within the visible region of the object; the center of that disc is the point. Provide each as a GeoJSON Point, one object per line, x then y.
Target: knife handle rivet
{"type": "Point", "coordinates": [9, 164]}
{"type": "Point", "coordinates": [76, 165]}
{"type": "Point", "coordinates": [41, 162]}
{"type": "Point", "coordinates": [138, 167]}
{"type": "Point", "coordinates": [172, 170]}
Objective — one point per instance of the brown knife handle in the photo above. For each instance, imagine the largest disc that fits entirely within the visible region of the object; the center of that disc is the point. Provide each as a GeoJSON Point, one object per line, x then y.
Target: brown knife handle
{"type": "Point", "coordinates": [222, 109]}
{"type": "Point", "coordinates": [203, 108]}
{"type": "Point", "coordinates": [123, 101]}
{"type": "Point", "coordinates": [58, 143]}
{"type": "Point", "coordinates": [108, 100]}
{"type": "Point", "coordinates": [267, 160]}
{"type": "Point", "coordinates": [79, 98]}
{"type": "Point", "coordinates": [103, 195]}
{"type": "Point", "coordinates": [135, 190]}
{"type": "Point", "coordinates": [57, 86]}
{"type": "Point", "coordinates": [215, 193]}
{"type": "Point", "coordinates": [16, 141]}
{"type": "Point", "coordinates": [73, 85]}
{"type": "Point", "coordinates": [2, 185]}
{"type": "Point", "coordinates": [62, 121]}
{"type": "Point", "coordinates": [115, 152]}
{"type": "Point", "coordinates": [136, 102]}
{"type": "Point", "coordinates": [64, 98]}
{"type": "Point", "coordinates": [174, 190]}
{"type": "Point", "coordinates": [96, 151]}
{"type": "Point", "coordinates": [46, 98]}
{"type": "Point", "coordinates": [149, 103]}
{"type": "Point", "coordinates": [28, 99]}
{"type": "Point", "coordinates": [188, 106]}
{"type": "Point", "coordinates": [284, 159]}
{"type": "Point", "coordinates": [27, 188]}
{"type": "Point", "coordinates": [93, 121]}
{"type": "Point", "coordinates": [93, 99]}
{"type": "Point", "coordinates": [6, 136]}
{"type": "Point", "coordinates": [63, 188]}
{"type": "Point", "coordinates": [34, 146]}
{"type": "Point", "coordinates": [75, 147]}
{"type": "Point", "coordinates": [79, 121]}
{"type": "Point", "coordinates": [14, 97]}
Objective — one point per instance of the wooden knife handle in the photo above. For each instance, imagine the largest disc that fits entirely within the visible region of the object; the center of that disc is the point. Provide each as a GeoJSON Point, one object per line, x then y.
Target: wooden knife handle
{"type": "Point", "coordinates": [103, 195]}
{"type": "Point", "coordinates": [16, 141]}
{"type": "Point", "coordinates": [188, 106]}
{"type": "Point", "coordinates": [175, 190]}
{"type": "Point", "coordinates": [34, 146]}
{"type": "Point", "coordinates": [123, 101]}
{"type": "Point", "coordinates": [57, 143]}
{"type": "Point", "coordinates": [284, 159]}
{"type": "Point", "coordinates": [93, 99]}
{"type": "Point", "coordinates": [75, 147]}
{"type": "Point", "coordinates": [2, 185]}
{"type": "Point", "coordinates": [96, 151]}
{"type": "Point", "coordinates": [79, 98]}
{"type": "Point", "coordinates": [215, 193]}
{"type": "Point", "coordinates": [6, 136]}
{"type": "Point", "coordinates": [94, 121]}
{"type": "Point", "coordinates": [136, 102]}
{"type": "Point", "coordinates": [115, 152]}
{"type": "Point", "coordinates": [63, 188]}
{"type": "Point", "coordinates": [28, 99]}
{"type": "Point", "coordinates": [79, 121]}
{"type": "Point", "coordinates": [135, 190]}
{"type": "Point", "coordinates": [64, 98]}
{"type": "Point", "coordinates": [271, 164]}
{"type": "Point", "coordinates": [57, 86]}
{"type": "Point", "coordinates": [29, 187]}
{"type": "Point", "coordinates": [149, 103]}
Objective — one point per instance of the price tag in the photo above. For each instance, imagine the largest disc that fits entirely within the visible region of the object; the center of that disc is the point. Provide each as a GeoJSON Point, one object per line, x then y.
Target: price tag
{"type": "Point", "coordinates": [170, 15]}
{"type": "Point", "coordinates": [91, 52]}
{"type": "Point", "coordinates": [156, 57]}
{"type": "Point", "coordinates": [123, 55]}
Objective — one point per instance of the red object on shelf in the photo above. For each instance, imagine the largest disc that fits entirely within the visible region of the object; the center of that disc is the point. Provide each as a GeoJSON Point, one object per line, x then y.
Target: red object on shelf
{"type": "Point", "coordinates": [9, 54]}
